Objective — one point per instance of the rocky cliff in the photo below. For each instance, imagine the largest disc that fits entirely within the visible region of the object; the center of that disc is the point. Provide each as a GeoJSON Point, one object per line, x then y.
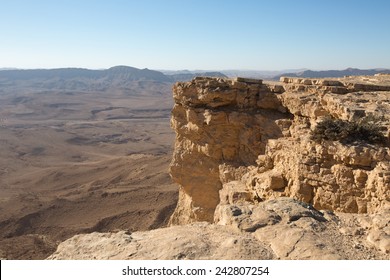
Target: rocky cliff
{"type": "Point", "coordinates": [248, 165]}
{"type": "Point", "coordinates": [244, 140]}
{"type": "Point", "coordinates": [218, 121]}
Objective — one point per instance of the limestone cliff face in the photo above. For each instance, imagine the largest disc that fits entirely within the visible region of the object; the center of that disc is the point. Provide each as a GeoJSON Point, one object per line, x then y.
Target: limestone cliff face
{"type": "Point", "coordinates": [218, 121]}
{"type": "Point", "coordinates": [239, 140]}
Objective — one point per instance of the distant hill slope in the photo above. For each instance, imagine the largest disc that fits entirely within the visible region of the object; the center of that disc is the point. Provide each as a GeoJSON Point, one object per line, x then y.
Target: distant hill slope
{"type": "Point", "coordinates": [135, 74]}
{"type": "Point", "coordinates": [123, 72]}
{"type": "Point", "coordinates": [126, 76]}
{"type": "Point", "coordinates": [79, 79]}
{"type": "Point", "coordinates": [86, 79]}
{"type": "Point", "coordinates": [334, 73]}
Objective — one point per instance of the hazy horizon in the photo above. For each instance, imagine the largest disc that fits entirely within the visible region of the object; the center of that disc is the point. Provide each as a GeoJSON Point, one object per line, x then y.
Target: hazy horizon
{"type": "Point", "coordinates": [175, 35]}
{"type": "Point", "coordinates": [194, 70]}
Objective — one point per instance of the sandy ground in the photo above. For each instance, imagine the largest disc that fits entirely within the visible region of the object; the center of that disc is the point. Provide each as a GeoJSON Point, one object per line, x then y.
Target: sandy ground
{"type": "Point", "coordinates": [81, 162]}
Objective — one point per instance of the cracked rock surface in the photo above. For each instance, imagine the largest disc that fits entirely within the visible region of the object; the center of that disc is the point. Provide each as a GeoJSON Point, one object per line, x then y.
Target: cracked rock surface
{"type": "Point", "coordinates": [283, 228]}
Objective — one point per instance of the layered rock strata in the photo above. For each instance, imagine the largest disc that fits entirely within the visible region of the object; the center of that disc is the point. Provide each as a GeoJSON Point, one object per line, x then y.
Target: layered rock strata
{"type": "Point", "coordinates": [218, 121]}
{"type": "Point", "coordinates": [252, 139]}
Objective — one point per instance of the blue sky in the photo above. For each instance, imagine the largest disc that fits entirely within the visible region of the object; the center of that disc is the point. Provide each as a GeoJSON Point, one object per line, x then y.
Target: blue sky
{"type": "Point", "coordinates": [189, 34]}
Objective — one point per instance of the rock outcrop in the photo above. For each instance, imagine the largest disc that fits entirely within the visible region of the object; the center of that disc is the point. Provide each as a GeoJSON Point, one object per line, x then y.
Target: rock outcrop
{"type": "Point", "coordinates": [253, 183]}
{"type": "Point", "coordinates": [282, 228]}
{"type": "Point", "coordinates": [195, 241]}
{"type": "Point", "coordinates": [219, 121]}
{"type": "Point", "coordinates": [255, 139]}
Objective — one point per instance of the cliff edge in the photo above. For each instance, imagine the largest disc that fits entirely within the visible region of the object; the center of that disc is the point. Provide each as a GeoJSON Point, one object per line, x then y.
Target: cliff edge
{"type": "Point", "coordinates": [253, 141]}
{"type": "Point", "coordinates": [298, 169]}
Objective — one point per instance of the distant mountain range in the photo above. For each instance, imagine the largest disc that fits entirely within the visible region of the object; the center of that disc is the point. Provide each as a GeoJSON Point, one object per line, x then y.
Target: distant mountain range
{"type": "Point", "coordinates": [114, 73]}
{"type": "Point", "coordinates": [117, 75]}
{"type": "Point", "coordinates": [275, 75]}
{"type": "Point", "coordinates": [125, 76]}
{"type": "Point", "coordinates": [333, 73]}
{"type": "Point", "coordinates": [259, 74]}
{"type": "Point", "coordinates": [256, 74]}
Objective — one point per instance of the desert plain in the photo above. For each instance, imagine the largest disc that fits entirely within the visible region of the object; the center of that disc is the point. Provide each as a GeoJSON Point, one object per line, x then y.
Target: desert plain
{"type": "Point", "coordinates": [78, 159]}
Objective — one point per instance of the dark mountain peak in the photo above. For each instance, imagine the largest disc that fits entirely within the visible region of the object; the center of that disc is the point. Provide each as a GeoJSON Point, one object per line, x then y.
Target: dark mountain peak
{"type": "Point", "coordinates": [135, 74]}
{"type": "Point", "coordinates": [122, 68]}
